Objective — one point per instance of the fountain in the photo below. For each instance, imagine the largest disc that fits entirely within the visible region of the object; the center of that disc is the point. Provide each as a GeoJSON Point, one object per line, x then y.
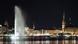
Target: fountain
{"type": "Point", "coordinates": [19, 27]}
{"type": "Point", "coordinates": [19, 22]}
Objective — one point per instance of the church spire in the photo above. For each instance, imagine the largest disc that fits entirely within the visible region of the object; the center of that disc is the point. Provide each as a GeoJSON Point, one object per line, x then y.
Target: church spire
{"type": "Point", "coordinates": [33, 26]}
{"type": "Point", "coordinates": [70, 20]}
{"type": "Point", "coordinates": [6, 23]}
{"type": "Point", "coordinates": [63, 22]}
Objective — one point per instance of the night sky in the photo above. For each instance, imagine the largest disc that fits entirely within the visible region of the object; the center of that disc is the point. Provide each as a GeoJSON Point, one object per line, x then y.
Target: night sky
{"type": "Point", "coordinates": [41, 13]}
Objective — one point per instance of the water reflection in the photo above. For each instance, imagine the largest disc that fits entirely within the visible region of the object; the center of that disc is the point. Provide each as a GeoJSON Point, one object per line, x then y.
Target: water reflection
{"type": "Point", "coordinates": [26, 41]}
{"type": "Point", "coordinates": [43, 42]}
{"type": "Point", "coordinates": [18, 42]}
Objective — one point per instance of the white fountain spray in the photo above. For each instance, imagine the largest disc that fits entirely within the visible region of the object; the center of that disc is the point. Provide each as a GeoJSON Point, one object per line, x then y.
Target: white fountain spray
{"type": "Point", "coordinates": [19, 27]}
{"type": "Point", "coordinates": [19, 22]}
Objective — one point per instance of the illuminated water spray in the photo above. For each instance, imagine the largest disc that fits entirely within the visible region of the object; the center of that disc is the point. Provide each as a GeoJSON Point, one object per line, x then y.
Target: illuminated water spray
{"type": "Point", "coordinates": [19, 22]}
{"type": "Point", "coordinates": [18, 27]}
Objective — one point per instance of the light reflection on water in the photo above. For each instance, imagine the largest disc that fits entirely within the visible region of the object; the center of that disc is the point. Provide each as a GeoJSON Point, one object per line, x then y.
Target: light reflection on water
{"type": "Point", "coordinates": [44, 42]}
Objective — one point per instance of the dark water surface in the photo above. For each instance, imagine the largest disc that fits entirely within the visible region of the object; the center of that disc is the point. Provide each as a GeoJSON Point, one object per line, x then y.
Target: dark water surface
{"type": "Point", "coordinates": [41, 42]}
{"type": "Point", "coordinates": [10, 41]}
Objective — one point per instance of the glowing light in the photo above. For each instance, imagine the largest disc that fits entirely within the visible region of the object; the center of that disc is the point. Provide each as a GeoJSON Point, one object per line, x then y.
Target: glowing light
{"type": "Point", "coordinates": [67, 35]}
{"type": "Point", "coordinates": [14, 37]}
{"type": "Point", "coordinates": [0, 25]}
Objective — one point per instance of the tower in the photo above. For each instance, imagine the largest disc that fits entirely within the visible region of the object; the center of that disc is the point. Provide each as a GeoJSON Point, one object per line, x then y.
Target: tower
{"type": "Point", "coordinates": [6, 23]}
{"type": "Point", "coordinates": [63, 22]}
{"type": "Point", "coordinates": [33, 26]}
{"type": "Point", "coordinates": [69, 20]}
{"type": "Point", "coordinates": [6, 27]}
